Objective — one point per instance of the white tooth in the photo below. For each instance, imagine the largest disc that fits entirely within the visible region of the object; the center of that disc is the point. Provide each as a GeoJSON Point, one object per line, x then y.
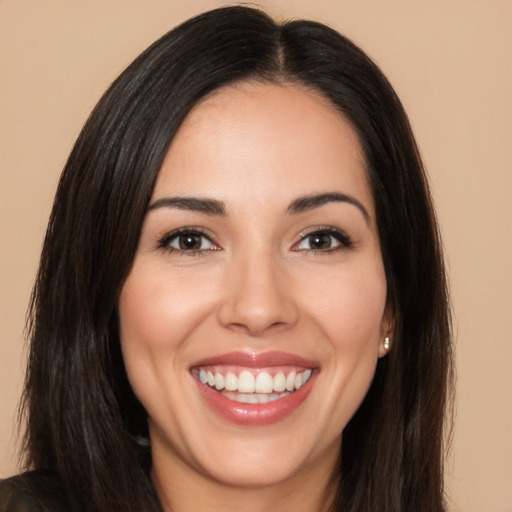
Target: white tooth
{"type": "Point", "coordinates": [279, 382]}
{"type": "Point", "coordinates": [251, 398]}
{"type": "Point", "coordinates": [219, 381]}
{"type": "Point", "coordinates": [263, 398]}
{"type": "Point", "coordinates": [305, 376]}
{"type": "Point", "coordinates": [246, 382]}
{"type": "Point", "coordinates": [290, 381]}
{"type": "Point", "coordinates": [276, 396]}
{"type": "Point", "coordinates": [264, 383]}
{"type": "Point", "coordinates": [231, 382]}
{"type": "Point", "coordinates": [298, 381]}
{"type": "Point", "coordinates": [211, 378]}
{"type": "Point", "coordinates": [202, 376]}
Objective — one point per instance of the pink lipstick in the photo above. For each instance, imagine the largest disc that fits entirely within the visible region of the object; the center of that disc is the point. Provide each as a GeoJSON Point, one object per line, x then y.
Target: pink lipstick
{"type": "Point", "coordinates": [254, 389]}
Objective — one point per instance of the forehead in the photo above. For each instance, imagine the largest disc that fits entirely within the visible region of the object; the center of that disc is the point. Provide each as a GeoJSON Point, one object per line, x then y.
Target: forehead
{"type": "Point", "coordinates": [254, 138]}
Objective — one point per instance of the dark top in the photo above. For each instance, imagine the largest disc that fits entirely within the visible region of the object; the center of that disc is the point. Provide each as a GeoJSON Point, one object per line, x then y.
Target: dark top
{"type": "Point", "coordinates": [36, 491]}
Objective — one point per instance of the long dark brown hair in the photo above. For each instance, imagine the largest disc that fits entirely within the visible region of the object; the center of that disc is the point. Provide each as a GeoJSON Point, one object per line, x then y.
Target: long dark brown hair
{"type": "Point", "coordinates": [82, 418]}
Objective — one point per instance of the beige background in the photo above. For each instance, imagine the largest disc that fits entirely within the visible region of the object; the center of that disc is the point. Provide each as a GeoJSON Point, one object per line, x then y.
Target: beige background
{"type": "Point", "coordinates": [450, 62]}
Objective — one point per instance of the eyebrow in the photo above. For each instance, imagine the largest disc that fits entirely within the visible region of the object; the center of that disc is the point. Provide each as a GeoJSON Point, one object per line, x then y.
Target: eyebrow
{"type": "Point", "coordinates": [194, 204]}
{"type": "Point", "coordinates": [306, 203]}
{"type": "Point", "coordinates": [299, 205]}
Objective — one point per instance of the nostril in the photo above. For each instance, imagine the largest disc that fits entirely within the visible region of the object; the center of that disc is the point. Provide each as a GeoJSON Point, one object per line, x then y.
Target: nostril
{"type": "Point", "coordinates": [258, 326]}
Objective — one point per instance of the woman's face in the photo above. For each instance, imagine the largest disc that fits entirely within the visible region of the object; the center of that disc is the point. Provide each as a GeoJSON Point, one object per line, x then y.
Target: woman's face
{"type": "Point", "coordinates": [255, 310]}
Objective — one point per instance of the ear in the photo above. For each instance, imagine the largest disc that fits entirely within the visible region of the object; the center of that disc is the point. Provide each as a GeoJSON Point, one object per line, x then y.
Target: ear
{"type": "Point", "coordinates": [387, 331]}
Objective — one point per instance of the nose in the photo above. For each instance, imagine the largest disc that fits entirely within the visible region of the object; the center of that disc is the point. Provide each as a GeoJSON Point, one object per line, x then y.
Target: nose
{"type": "Point", "coordinates": [258, 297]}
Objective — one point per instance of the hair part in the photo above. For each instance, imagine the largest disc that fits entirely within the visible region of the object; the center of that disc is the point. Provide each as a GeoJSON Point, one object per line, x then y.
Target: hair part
{"type": "Point", "coordinates": [82, 417]}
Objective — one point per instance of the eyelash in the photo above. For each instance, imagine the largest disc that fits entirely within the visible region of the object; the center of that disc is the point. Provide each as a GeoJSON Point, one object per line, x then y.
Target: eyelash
{"type": "Point", "coordinates": [165, 241]}
{"type": "Point", "coordinates": [345, 242]}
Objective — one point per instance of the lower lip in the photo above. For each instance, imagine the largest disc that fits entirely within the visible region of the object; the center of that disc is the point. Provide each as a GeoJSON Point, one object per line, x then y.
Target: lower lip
{"type": "Point", "coordinates": [255, 414]}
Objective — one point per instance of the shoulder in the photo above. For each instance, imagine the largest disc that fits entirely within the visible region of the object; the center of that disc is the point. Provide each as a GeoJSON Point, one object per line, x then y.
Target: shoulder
{"type": "Point", "coordinates": [36, 491]}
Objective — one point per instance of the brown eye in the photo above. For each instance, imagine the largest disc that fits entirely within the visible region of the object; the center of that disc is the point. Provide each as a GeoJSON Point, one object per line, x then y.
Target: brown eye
{"type": "Point", "coordinates": [321, 241]}
{"type": "Point", "coordinates": [187, 241]}
{"type": "Point", "coordinates": [324, 241]}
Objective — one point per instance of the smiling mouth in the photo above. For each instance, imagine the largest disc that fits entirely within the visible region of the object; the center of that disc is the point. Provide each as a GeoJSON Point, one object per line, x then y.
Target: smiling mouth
{"type": "Point", "coordinates": [255, 390]}
{"type": "Point", "coordinates": [253, 385]}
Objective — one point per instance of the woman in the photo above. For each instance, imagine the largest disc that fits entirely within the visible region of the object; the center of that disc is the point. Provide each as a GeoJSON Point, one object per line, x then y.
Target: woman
{"type": "Point", "coordinates": [241, 300]}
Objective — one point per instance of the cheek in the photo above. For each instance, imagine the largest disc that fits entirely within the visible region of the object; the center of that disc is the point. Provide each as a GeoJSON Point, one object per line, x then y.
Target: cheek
{"type": "Point", "coordinates": [157, 310]}
{"type": "Point", "coordinates": [350, 306]}
{"type": "Point", "coordinates": [350, 315]}
{"type": "Point", "coordinates": [157, 313]}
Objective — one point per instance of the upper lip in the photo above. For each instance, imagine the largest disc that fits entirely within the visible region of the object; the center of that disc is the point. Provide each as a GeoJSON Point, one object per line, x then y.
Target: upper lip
{"type": "Point", "coordinates": [256, 360]}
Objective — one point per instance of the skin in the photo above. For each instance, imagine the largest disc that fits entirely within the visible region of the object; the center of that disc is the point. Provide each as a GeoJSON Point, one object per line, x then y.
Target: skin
{"type": "Point", "coordinates": [254, 286]}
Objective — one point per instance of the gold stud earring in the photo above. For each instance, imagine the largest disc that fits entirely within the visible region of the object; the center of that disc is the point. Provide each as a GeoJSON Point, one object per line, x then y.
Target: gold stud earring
{"type": "Point", "coordinates": [387, 343]}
